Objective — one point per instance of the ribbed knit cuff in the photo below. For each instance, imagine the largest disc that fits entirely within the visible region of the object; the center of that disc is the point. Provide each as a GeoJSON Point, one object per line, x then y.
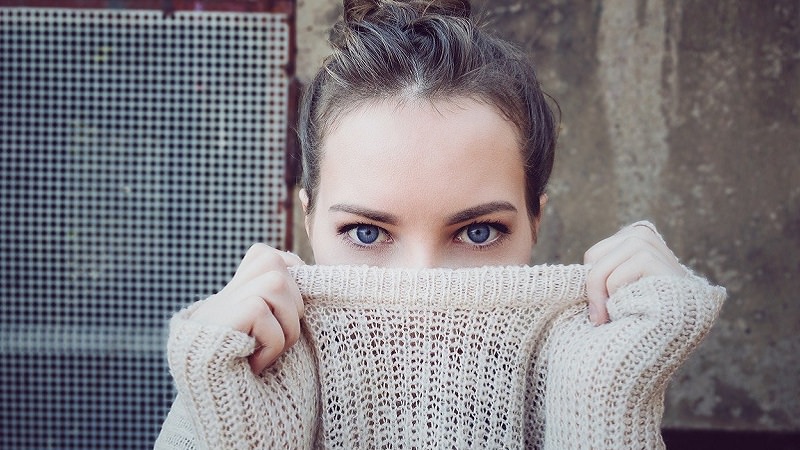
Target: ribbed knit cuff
{"type": "Point", "coordinates": [605, 384]}
{"type": "Point", "coordinates": [228, 405]}
{"type": "Point", "coordinates": [206, 362]}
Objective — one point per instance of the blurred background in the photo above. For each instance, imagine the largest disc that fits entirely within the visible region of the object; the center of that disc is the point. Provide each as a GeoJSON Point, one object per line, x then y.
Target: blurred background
{"type": "Point", "coordinates": [145, 144]}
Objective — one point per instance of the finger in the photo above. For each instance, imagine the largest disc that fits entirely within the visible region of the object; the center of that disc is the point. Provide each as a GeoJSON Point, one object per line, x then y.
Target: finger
{"type": "Point", "coordinates": [631, 261]}
{"type": "Point", "coordinates": [598, 296]}
{"type": "Point", "coordinates": [259, 259]}
{"type": "Point", "coordinates": [649, 226]}
{"type": "Point", "coordinates": [270, 341]}
{"type": "Point", "coordinates": [291, 259]}
{"type": "Point", "coordinates": [636, 267]}
{"type": "Point", "coordinates": [281, 294]}
{"type": "Point", "coordinates": [647, 231]}
{"type": "Point", "coordinates": [609, 244]}
{"type": "Point", "coordinates": [596, 280]}
{"type": "Point", "coordinates": [625, 249]}
{"type": "Point", "coordinates": [598, 288]}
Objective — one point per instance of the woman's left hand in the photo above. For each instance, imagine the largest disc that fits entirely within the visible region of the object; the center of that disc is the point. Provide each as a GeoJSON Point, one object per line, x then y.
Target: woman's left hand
{"type": "Point", "coordinates": [634, 252]}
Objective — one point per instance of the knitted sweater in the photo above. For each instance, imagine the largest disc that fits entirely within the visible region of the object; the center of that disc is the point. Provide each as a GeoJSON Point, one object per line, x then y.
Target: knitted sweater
{"type": "Point", "coordinates": [493, 357]}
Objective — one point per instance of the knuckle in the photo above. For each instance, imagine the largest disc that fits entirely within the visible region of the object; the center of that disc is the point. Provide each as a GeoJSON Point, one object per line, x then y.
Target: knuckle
{"type": "Point", "coordinates": [271, 258]}
{"type": "Point", "coordinates": [265, 255]}
{"type": "Point", "coordinates": [275, 281]}
{"type": "Point", "coordinates": [257, 306]}
{"type": "Point", "coordinates": [635, 241]}
{"type": "Point", "coordinates": [646, 234]}
{"type": "Point", "coordinates": [589, 255]}
{"type": "Point", "coordinates": [257, 249]}
{"type": "Point", "coordinates": [257, 309]}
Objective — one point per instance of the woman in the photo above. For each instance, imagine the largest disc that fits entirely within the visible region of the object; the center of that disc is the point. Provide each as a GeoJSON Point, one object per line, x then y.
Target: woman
{"type": "Point", "coordinates": [426, 143]}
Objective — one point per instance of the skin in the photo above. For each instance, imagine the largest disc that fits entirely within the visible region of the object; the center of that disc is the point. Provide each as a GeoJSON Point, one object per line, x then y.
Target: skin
{"type": "Point", "coordinates": [419, 174]}
{"type": "Point", "coordinates": [377, 204]}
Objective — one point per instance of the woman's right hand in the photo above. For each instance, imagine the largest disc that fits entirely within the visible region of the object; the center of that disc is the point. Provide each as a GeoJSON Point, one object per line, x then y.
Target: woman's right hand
{"type": "Point", "coordinates": [262, 300]}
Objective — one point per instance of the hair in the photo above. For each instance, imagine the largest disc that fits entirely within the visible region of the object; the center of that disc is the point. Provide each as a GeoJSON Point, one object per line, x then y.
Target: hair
{"type": "Point", "coordinates": [425, 50]}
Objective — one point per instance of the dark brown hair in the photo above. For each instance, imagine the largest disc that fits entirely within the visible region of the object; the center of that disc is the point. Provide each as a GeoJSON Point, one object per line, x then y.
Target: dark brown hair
{"type": "Point", "coordinates": [427, 50]}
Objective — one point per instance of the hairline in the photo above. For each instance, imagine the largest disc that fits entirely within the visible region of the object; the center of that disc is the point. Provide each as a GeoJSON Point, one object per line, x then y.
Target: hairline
{"type": "Point", "coordinates": [332, 119]}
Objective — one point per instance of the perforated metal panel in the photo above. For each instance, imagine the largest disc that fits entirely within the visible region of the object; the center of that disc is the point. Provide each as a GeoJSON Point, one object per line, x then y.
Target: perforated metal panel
{"type": "Point", "coordinates": [141, 155]}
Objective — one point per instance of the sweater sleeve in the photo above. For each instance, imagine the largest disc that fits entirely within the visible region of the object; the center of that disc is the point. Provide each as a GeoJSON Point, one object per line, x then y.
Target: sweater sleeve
{"type": "Point", "coordinates": [177, 431]}
{"type": "Point", "coordinates": [606, 384]}
{"type": "Point", "coordinates": [222, 404]}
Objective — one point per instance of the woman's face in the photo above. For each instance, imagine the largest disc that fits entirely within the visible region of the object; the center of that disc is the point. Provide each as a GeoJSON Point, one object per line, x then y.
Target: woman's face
{"type": "Point", "coordinates": [421, 183]}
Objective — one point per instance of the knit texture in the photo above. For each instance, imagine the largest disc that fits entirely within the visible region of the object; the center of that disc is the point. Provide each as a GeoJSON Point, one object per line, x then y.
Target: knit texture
{"type": "Point", "coordinates": [493, 357]}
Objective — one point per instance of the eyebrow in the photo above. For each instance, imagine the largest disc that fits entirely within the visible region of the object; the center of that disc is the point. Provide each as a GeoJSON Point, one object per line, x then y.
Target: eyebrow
{"type": "Point", "coordinates": [480, 210]}
{"type": "Point", "coordinates": [371, 214]}
{"type": "Point", "coordinates": [459, 217]}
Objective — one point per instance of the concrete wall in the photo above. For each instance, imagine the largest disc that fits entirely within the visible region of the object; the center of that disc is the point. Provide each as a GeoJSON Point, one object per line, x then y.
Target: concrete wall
{"type": "Point", "coordinates": [686, 112]}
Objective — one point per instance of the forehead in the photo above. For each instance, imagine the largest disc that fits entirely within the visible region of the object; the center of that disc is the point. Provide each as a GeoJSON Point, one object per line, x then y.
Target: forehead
{"type": "Point", "coordinates": [426, 150]}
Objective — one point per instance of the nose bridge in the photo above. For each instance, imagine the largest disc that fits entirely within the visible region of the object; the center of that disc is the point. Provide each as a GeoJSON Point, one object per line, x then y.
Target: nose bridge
{"type": "Point", "coordinates": [421, 254]}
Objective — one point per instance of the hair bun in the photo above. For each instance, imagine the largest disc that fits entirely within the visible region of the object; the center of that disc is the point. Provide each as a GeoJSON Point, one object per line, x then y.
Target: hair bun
{"type": "Point", "coordinates": [359, 10]}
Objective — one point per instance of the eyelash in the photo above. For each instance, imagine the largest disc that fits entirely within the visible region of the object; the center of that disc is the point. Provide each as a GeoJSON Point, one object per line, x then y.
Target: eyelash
{"type": "Point", "coordinates": [501, 228]}
{"type": "Point", "coordinates": [344, 229]}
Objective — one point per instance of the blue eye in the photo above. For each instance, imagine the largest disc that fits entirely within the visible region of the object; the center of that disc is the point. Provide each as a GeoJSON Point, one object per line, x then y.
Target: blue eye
{"type": "Point", "coordinates": [480, 233]}
{"type": "Point", "coordinates": [366, 234]}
